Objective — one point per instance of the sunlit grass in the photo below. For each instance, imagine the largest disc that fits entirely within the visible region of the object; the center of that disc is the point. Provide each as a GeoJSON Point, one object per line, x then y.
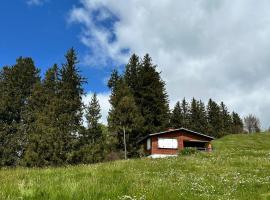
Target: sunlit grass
{"type": "Point", "coordinates": [238, 168]}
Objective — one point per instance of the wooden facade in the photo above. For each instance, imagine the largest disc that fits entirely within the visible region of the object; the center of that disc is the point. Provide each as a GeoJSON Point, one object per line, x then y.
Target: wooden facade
{"type": "Point", "coordinates": [170, 142]}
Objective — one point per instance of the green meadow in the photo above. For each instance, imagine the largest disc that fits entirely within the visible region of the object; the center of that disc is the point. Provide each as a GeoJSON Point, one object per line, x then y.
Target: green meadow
{"type": "Point", "coordinates": [238, 168]}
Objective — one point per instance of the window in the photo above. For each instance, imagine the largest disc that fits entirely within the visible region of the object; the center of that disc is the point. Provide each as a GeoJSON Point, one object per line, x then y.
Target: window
{"type": "Point", "coordinates": [148, 144]}
{"type": "Point", "coordinates": [167, 143]}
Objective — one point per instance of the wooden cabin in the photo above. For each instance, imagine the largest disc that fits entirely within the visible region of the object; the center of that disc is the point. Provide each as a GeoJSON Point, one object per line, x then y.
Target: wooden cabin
{"type": "Point", "coordinates": [170, 142]}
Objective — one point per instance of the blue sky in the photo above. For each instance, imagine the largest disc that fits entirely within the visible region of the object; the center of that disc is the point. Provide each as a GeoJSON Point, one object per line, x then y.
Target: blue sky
{"type": "Point", "coordinates": [42, 31]}
{"type": "Point", "coordinates": [204, 48]}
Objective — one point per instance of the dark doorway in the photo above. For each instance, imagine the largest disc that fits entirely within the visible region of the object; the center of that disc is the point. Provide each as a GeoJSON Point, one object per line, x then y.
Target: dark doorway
{"type": "Point", "coordinates": [199, 145]}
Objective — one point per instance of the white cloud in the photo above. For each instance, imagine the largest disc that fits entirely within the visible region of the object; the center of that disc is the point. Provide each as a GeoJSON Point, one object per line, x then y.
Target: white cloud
{"type": "Point", "coordinates": [204, 48]}
{"type": "Point", "coordinates": [103, 99]}
{"type": "Point", "coordinates": [95, 37]}
{"type": "Point", "coordinates": [36, 2]}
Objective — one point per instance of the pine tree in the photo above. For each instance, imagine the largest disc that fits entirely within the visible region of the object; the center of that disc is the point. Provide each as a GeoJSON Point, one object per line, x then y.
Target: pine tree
{"type": "Point", "coordinates": [186, 113]}
{"type": "Point", "coordinates": [195, 115]}
{"type": "Point", "coordinates": [237, 123]}
{"type": "Point", "coordinates": [92, 144]}
{"type": "Point", "coordinates": [93, 113]}
{"type": "Point", "coordinates": [226, 120]}
{"type": "Point", "coordinates": [16, 84]}
{"type": "Point", "coordinates": [54, 116]}
{"type": "Point", "coordinates": [37, 148]}
{"type": "Point", "coordinates": [51, 81]}
{"type": "Point", "coordinates": [151, 97]}
{"type": "Point", "coordinates": [71, 89]}
{"type": "Point", "coordinates": [54, 111]}
{"type": "Point", "coordinates": [44, 146]}
{"type": "Point", "coordinates": [214, 118]}
{"type": "Point", "coordinates": [176, 120]}
{"type": "Point", "coordinates": [203, 118]}
{"type": "Point", "coordinates": [71, 92]}
{"type": "Point", "coordinates": [148, 91]}
{"type": "Point", "coordinates": [131, 76]}
{"type": "Point", "coordinates": [124, 117]}
{"type": "Point", "coordinates": [93, 116]}
{"type": "Point", "coordinates": [115, 77]}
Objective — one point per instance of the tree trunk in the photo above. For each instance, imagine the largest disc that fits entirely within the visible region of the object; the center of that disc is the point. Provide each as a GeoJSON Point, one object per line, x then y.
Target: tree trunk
{"type": "Point", "coordinates": [125, 144]}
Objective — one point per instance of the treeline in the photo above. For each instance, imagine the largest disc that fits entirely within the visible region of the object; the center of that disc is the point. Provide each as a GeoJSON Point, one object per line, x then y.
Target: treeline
{"type": "Point", "coordinates": [140, 106]}
{"type": "Point", "coordinates": [213, 119]}
{"type": "Point", "coordinates": [41, 119]}
{"type": "Point", "coordinates": [139, 103]}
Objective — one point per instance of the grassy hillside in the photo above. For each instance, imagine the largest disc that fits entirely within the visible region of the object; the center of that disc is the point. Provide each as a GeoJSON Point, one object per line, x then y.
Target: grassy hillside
{"type": "Point", "coordinates": [239, 168]}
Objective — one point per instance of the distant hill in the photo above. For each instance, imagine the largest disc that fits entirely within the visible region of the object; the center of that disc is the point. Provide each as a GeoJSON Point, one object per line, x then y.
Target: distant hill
{"type": "Point", "coordinates": [238, 168]}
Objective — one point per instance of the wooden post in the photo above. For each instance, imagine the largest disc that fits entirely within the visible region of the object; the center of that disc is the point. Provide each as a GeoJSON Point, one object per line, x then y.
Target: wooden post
{"type": "Point", "coordinates": [125, 144]}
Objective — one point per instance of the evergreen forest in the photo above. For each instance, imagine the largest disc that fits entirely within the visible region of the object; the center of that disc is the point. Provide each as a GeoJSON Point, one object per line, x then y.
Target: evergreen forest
{"type": "Point", "coordinates": [44, 122]}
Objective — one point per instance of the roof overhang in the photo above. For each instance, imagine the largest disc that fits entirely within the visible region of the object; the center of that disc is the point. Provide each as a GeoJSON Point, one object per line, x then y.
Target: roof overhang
{"type": "Point", "coordinates": [202, 141]}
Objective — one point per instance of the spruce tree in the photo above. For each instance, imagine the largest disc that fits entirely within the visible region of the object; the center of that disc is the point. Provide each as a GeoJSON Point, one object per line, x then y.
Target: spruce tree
{"type": "Point", "coordinates": [51, 81]}
{"type": "Point", "coordinates": [237, 123]}
{"type": "Point", "coordinates": [16, 84]}
{"type": "Point", "coordinates": [57, 123]}
{"type": "Point", "coordinates": [44, 146]}
{"type": "Point", "coordinates": [37, 148]}
{"type": "Point", "coordinates": [214, 118]}
{"type": "Point", "coordinates": [176, 120]}
{"type": "Point", "coordinates": [115, 77]}
{"type": "Point", "coordinates": [92, 144]}
{"type": "Point", "coordinates": [71, 89]}
{"type": "Point", "coordinates": [194, 115]}
{"type": "Point", "coordinates": [71, 92]}
{"type": "Point", "coordinates": [186, 113]}
{"type": "Point", "coordinates": [226, 120]}
{"type": "Point", "coordinates": [148, 91]}
{"type": "Point", "coordinates": [203, 118]}
{"type": "Point", "coordinates": [93, 113]}
{"type": "Point", "coordinates": [131, 76]}
{"type": "Point", "coordinates": [124, 117]}
{"type": "Point", "coordinates": [151, 97]}
{"type": "Point", "coordinates": [54, 111]}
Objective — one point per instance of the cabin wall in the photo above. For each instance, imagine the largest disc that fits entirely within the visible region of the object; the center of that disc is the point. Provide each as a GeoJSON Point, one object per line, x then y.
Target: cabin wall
{"type": "Point", "coordinates": [156, 150]}
{"type": "Point", "coordinates": [146, 151]}
{"type": "Point", "coordinates": [181, 136]}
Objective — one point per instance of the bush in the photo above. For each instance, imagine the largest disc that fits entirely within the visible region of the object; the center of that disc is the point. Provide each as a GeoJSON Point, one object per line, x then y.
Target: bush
{"type": "Point", "coordinates": [188, 151]}
{"type": "Point", "coordinates": [114, 155]}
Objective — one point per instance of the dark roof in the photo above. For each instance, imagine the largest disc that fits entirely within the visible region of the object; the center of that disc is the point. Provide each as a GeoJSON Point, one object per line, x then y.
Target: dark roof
{"type": "Point", "coordinates": [174, 130]}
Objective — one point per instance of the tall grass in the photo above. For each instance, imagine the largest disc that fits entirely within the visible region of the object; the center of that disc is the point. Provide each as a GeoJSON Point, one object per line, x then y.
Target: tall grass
{"type": "Point", "coordinates": [238, 168]}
